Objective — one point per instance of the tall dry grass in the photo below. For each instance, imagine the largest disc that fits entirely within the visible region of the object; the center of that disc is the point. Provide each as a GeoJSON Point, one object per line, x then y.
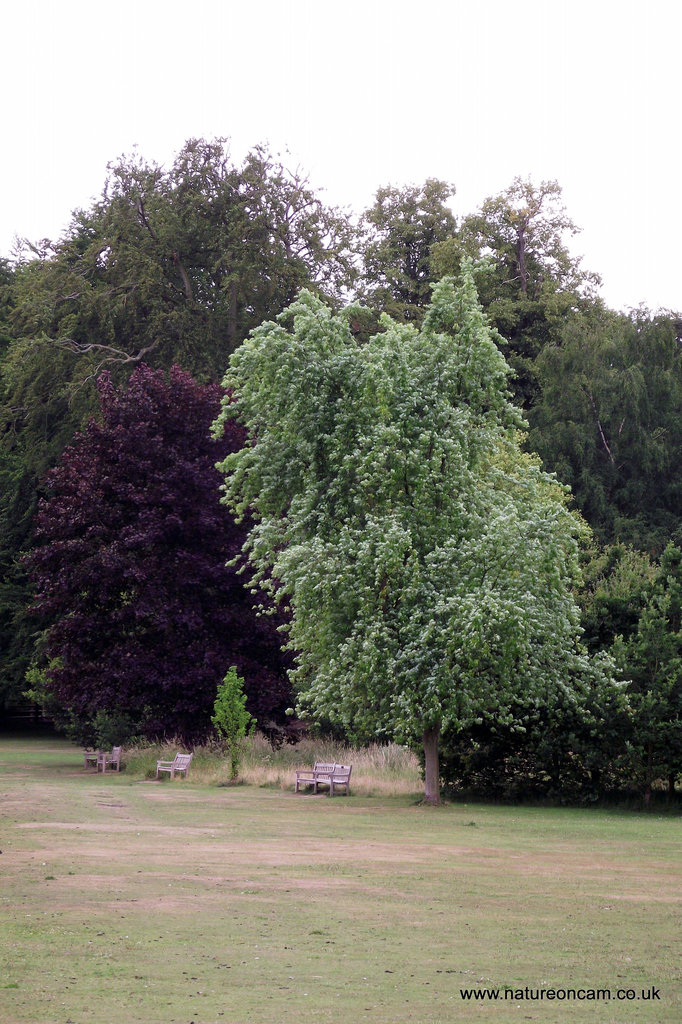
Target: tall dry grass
{"type": "Point", "coordinates": [378, 769]}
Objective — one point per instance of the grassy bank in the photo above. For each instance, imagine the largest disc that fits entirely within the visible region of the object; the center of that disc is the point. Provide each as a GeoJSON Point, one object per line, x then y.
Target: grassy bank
{"type": "Point", "coordinates": [165, 903]}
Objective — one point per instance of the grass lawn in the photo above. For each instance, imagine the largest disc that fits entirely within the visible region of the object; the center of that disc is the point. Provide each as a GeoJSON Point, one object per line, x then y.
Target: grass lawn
{"type": "Point", "coordinates": [135, 901]}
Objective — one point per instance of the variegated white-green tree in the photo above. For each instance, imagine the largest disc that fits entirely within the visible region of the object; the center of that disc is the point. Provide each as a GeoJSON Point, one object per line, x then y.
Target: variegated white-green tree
{"type": "Point", "coordinates": [426, 559]}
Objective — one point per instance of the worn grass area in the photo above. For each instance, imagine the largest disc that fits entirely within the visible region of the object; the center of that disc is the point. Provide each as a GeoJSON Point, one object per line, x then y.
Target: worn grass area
{"type": "Point", "coordinates": [166, 903]}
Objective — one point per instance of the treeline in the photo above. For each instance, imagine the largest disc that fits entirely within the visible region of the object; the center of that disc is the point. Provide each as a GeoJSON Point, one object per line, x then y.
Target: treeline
{"type": "Point", "coordinates": [174, 266]}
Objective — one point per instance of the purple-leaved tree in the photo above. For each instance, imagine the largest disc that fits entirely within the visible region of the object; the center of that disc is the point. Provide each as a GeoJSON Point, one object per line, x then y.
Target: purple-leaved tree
{"type": "Point", "coordinates": [142, 616]}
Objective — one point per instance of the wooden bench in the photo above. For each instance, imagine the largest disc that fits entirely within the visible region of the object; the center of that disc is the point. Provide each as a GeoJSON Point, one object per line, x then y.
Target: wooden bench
{"type": "Point", "coordinates": [320, 773]}
{"type": "Point", "coordinates": [180, 763]}
{"type": "Point", "coordinates": [101, 760]}
{"type": "Point", "coordinates": [339, 779]}
{"type": "Point", "coordinates": [336, 776]}
{"type": "Point", "coordinates": [112, 760]}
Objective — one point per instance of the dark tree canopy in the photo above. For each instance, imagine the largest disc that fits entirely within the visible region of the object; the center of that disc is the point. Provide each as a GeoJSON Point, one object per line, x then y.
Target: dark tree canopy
{"type": "Point", "coordinates": [608, 423]}
{"type": "Point", "coordinates": [178, 264]}
{"type": "Point", "coordinates": [615, 583]}
{"type": "Point", "coordinates": [651, 660]}
{"type": "Point", "coordinates": [143, 616]}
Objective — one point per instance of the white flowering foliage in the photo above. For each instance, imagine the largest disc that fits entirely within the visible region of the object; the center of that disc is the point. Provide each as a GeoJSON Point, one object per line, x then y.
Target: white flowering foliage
{"type": "Point", "coordinates": [426, 558]}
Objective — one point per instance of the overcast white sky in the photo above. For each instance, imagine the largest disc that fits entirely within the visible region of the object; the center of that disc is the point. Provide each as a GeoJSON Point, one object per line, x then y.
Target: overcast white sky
{"type": "Point", "coordinates": [364, 93]}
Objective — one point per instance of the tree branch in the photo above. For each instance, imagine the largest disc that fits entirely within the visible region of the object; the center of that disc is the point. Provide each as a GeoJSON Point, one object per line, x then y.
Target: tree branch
{"type": "Point", "coordinates": [186, 283]}
{"type": "Point", "coordinates": [599, 426]}
{"type": "Point", "coordinates": [143, 219]}
{"type": "Point", "coordinates": [109, 355]}
{"type": "Point", "coordinates": [116, 355]}
{"type": "Point", "coordinates": [187, 286]}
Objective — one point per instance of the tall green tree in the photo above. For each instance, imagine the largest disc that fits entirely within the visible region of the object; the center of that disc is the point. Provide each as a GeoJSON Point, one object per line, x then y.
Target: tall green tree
{"type": "Point", "coordinates": [526, 228]}
{"type": "Point", "coordinates": [6, 303]}
{"type": "Point", "coordinates": [608, 423]}
{"type": "Point", "coordinates": [529, 282]}
{"type": "Point", "coordinates": [399, 233]}
{"type": "Point", "coordinates": [231, 720]}
{"type": "Point", "coordinates": [426, 559]}
{"type": "Point", "coordinates": [14, 514]}
{"type": "Point", "coordinates": [176, 265]}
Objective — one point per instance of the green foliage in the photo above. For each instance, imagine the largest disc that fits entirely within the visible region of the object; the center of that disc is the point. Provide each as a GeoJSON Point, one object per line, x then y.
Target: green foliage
{"type": "Point", "coordinates": [528, 282]}
{"type": "Point", "coordinates": [651, 658]}
{"type": "Point", "coordinates": [614, 587]}
{"type": "Point", "coordinates": [39, 413]}
{"type": "Point", "coordinates": [230, 717]}
{"type": "Point", "coordinates": [399, 235]}
{"type": "Point", "coordinates": [571, 749]}
{"type": "Point", "coordinates": [113, 728]}
{"type": "Point", "coordinates": [608, 424]}
{"type": "Point", "coordinates": [426, 558]}
{"type": "Point", "coordinates": [7, 275]}
{"type": "Point", "coordinates": [177, 264]}
{"type": "Point", "coordinates": [525, 228]}
{"type": "Point", "coordinates": [105, 729]}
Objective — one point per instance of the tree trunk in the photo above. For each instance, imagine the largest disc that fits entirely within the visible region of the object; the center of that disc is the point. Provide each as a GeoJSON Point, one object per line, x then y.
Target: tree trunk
{"type": "Point", "coordinates": [232, 317]}
{"type": "Point", "coordinates": [186, 283]}
{"type": "Point", "coordinates": [521, 257]}
{"type": "Point", "coordinates": [431, 766]}
{"type": "Point", "coordinates": [649, 775]}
